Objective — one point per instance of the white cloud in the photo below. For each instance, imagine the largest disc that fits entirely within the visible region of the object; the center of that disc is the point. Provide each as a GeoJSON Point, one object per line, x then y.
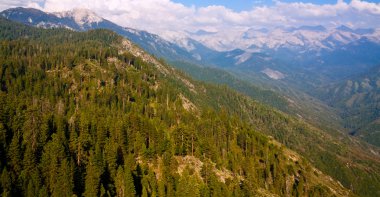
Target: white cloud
{"type": "Point", "coordinates": [4, 4]}
{"type": "Point", "coordinates": [165, 15]}
{"type": "Point", "coordinates": [366, 7]}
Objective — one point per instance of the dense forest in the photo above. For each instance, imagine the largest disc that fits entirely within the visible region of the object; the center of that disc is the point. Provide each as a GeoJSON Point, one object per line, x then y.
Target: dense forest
{"type": "Point", "coordinates": [81, 115]}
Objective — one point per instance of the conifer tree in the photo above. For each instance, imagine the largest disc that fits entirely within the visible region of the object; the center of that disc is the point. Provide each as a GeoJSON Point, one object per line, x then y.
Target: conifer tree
{"type": "Point", "coordinates": [129, 184]}
{"type": "Point", "coordinates": [6, 183]}
{"type": "Point", "coordinates": [93, 172]}
{"type": "Point", "coordinates": [187, 185]}
{"type": "Point", "coordinates": [120, 182]}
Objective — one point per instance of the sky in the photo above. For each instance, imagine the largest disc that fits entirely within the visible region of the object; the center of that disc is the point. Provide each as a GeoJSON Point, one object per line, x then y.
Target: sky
{"type": "Point", "coordinates": [173, 17]}
{"type": "Point", "coordinates": [246, 5]}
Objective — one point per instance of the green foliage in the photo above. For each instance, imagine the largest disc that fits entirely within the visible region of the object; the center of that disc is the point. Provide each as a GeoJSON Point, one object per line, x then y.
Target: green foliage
{"type": "Point", "coordinates": [124, 183]}
{"type": "Point", "coordinates": [187, 185]}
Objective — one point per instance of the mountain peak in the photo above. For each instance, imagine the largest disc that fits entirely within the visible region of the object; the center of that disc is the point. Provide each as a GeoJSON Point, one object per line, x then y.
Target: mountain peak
{"type": "Point", "coordinates": [81, 16]}
{"type": "Point", "coordinates": [317, 28]}
{"type": "Point", "coordinates": [22, 9]}
{"type": "Point", "coordinates": [344, 28]}
{"type": "Point", "coordinates": [21, 12]}
{"type": "Point", "coordinates": [202, 32]}
{"type": "Point", "coordinates": [360, 31]}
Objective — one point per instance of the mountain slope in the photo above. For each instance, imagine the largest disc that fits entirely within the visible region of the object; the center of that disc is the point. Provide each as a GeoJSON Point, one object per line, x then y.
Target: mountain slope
{"type": "Point", "coordinates": [91, 114]}
{"type": "Point", "coordinates": [285, 99]}
{"type": "Point", "coordinates": [358, 99]}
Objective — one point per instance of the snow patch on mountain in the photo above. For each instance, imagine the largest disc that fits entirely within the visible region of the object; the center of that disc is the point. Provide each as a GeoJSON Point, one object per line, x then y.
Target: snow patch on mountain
{"type": "Point", "coordinates": [197, 56]}
{"type": "Point", "coordinates": [80, 16]}
{"type": "Point", "coordinates": [221, 40]}
{"type": "Point", "coordinates": [344, 36]}
{"type": "Point", "coordinates": [133, 31]}
{"type": "Point", "coordinates": [185, 43]}
{"type": "Point", "coordinates": [181, 39]}
{"type": "Point", "coordinates": [273, 74]}
{"type": "Point", "coordinates": [47, 25]}
{"type": "Point", "coordinates": [242, 58]}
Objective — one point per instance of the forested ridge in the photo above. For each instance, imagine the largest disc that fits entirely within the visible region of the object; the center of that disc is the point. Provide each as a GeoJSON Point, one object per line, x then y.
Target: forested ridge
{"type": "Point", "coordinates": [80, 115]}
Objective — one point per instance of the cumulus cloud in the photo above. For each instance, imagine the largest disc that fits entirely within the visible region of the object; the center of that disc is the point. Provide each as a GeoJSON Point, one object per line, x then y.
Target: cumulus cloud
{"type": "Point", "coordinates": [5, 4]}
{"type": "Point", "coordinates": [160, 16]}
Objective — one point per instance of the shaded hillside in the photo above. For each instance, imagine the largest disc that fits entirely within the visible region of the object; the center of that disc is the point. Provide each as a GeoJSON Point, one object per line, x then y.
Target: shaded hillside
{"type": "Point", "coordinates": [358, 98]}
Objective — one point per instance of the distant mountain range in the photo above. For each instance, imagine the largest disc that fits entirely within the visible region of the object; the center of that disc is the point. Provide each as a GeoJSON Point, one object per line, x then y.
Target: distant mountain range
{"type": "Point", "coordinates": [307, 38]}
{"type": "Point", "coordinates": [333, 52]}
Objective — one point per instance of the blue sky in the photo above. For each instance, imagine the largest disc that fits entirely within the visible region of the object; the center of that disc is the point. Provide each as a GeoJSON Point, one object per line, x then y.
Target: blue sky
{"type": "Point", "coordinates": [244, 5]}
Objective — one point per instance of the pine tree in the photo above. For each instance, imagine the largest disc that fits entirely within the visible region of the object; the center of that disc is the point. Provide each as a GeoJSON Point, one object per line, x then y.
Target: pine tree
{"type": "Point", "coordinates": [93, 172]}
{"type": "Point", "coordinates": [64, 184]}
{"type": "Point", "coordinates": [3, 142]}
{"type": "Point", "coordinates": [144, 192]}
{"type": "Point", "coordinates": [6, 183]}
{"type": "Point", "coordinates": [33, 183]}
{"type": "Point", "coordinates": [53, 157]}
{"type": "Point", "coordinates": [14, 154]}
{"type": "Point", "coordinates": [129, 184]}
{"type": "Point", "coordinates": [124, 183]}
{"type": "Point", "coordinates": [187, 185]}
{"type": "Point", "coordinates": [120, 182]}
